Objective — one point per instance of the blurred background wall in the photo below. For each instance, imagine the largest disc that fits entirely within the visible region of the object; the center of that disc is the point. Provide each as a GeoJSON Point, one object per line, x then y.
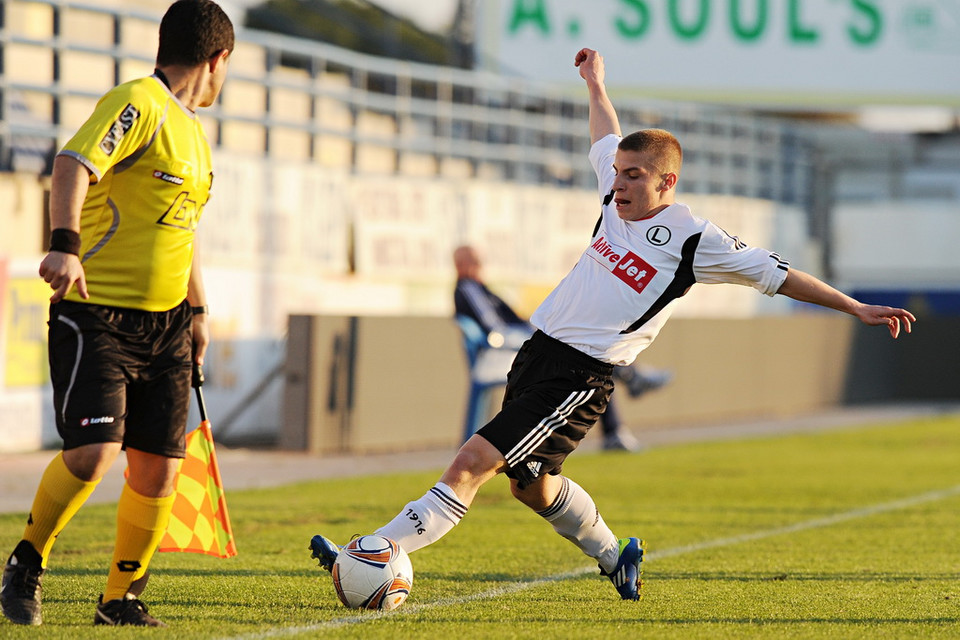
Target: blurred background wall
{"type": "Point", "coordinates": [357, 143]}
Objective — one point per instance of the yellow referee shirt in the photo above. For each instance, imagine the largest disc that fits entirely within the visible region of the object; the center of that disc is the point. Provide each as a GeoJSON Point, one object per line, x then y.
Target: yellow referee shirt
{"type": "Point", "coordinates": [151, 176]}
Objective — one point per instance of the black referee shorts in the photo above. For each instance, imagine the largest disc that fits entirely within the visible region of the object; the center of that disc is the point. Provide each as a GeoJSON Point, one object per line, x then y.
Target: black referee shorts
{"type": "Point", "coordinates": [554, 394]}
{"type": "Point", "coordinates": [121, 375]}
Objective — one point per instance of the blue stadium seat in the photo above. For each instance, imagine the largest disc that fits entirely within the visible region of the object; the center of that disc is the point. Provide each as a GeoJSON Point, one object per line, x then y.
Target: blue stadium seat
{"type": "Point", "coordinates": [488, 371]}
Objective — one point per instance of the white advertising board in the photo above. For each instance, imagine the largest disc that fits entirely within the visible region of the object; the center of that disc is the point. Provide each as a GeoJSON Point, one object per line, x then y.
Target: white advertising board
{"type": "Point", "coordinates": [812, 53]}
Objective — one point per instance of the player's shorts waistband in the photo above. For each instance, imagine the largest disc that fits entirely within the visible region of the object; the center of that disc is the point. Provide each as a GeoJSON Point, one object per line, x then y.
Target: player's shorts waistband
{"type": "Point", "coordinates": [542, 342]}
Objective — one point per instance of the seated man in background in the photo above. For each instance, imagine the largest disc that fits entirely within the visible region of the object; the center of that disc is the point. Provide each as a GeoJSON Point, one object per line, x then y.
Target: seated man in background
{"type": "Point", "coordinates": [505, 328]}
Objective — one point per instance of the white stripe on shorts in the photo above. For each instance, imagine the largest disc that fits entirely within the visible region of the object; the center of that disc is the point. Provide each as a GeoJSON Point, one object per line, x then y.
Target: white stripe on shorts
{"type": "Point", "coordinates": [76, 364]}
{"type": "Point", "coordinates": [547, 426]}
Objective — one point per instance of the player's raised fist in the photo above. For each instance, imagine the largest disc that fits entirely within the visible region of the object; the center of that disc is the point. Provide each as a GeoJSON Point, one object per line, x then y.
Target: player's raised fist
{"type": "Point", "coordinates": [590, 63]}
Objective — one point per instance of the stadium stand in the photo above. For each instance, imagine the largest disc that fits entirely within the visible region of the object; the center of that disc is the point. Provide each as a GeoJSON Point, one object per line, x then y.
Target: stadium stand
{"type": "Point", "coordinates": [310, 101]}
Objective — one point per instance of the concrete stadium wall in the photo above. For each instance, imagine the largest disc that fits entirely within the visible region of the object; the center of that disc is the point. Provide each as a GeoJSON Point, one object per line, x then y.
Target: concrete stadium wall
{"type": "Point", "coordinates": [372, 384]}
{"type": "Point", "coordinates": [390, 384]}
{"type": "Point", "coordinates": [280, 240]}
{"type": "Point", "coordinates": [22, 221]}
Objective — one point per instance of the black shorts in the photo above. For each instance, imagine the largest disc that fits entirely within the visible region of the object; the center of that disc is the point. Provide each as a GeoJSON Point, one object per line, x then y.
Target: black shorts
{"type": "Point", "coordinates": [121, 375]}
{"type": "Point", "coordinates": [554, 394]}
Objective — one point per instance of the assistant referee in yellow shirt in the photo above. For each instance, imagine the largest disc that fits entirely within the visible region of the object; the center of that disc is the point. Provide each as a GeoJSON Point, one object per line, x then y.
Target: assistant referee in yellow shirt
{"type": "Point", "coordinates": [128, 312]}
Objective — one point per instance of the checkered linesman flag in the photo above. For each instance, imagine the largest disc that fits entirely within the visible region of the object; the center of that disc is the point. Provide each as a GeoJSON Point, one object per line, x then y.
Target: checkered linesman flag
{"type": "Point", "coordinates": [199, 522]}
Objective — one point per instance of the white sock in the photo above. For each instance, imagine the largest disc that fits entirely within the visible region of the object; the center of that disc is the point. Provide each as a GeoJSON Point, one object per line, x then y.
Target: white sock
{"type": "Point", "coordinates": [575, 517]}
{"type": "Point", "coordinates": [426, 520]}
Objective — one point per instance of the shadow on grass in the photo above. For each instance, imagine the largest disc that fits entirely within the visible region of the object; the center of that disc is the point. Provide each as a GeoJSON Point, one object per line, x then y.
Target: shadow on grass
{"type": "Point", "coordinates": [264, 572]}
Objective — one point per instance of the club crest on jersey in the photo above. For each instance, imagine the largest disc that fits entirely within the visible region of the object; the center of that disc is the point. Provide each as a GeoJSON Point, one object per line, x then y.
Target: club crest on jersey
{"type": "Point", "coordinates": [623, 263]}
{"type": "Point", "coordinates": [658, 235]}
{"type": "Point", "coordinates": [119, 129]}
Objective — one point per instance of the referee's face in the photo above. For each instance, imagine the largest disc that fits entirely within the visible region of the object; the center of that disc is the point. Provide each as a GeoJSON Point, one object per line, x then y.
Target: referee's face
{"type": "Point", "coordinates": [641, 189]}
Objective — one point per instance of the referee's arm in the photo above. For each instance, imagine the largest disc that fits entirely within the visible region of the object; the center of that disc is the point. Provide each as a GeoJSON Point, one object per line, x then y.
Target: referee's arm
{"type": "Point", "coordinates": [61, 267]}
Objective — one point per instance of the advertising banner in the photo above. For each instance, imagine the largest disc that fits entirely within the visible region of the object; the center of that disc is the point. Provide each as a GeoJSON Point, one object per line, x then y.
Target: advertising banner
{"type": "Point", "coordinates": [25, 328]}
{"type": "Point", "coordinates": [814, 53]}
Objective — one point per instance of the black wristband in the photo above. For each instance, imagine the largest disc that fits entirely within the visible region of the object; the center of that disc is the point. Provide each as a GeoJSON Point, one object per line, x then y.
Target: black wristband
{"type": "Point", "coordinates": [199, 310]}
{"type": "Point", "coordinates": [65, 241]}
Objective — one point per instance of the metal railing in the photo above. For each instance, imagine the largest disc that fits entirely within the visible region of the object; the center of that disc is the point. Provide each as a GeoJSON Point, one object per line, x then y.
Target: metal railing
{"type": "Point", "coordinates": [493, 126]}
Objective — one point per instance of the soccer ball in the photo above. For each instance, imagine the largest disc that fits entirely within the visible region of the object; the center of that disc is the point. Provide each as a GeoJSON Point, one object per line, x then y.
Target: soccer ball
{"type": "Point", "coordinates": [372, 572]}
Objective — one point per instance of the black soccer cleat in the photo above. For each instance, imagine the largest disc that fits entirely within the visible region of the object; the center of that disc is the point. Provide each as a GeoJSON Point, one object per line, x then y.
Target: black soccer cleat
{"type": "Point", "coordinates": [325, 551]}
{"type": "Point", "coordinates": [124, 612]}
{"type": "Point", "coordinates": [21, 591]}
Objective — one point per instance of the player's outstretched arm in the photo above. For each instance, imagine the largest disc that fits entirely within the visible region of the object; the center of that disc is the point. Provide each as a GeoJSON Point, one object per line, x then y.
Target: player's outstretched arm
{"type": "Point", "coordinates": [603, 117]}
{"type": "Point", "coordinates": [806, 288]}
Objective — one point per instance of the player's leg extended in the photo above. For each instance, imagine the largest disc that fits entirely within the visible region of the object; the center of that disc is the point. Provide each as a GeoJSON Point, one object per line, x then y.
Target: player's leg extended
{"type": "Point", "coordinates": [439, 510]}
{"type": "Point", "coordinates": [573, 514]}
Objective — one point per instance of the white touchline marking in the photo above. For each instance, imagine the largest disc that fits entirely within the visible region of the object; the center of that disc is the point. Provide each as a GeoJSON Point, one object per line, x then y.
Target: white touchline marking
{"type": "Point", "coordinates": [816, 523]}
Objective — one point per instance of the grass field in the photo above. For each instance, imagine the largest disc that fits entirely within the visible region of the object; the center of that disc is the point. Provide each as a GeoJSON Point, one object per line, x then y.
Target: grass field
{"type": "Point", "coordinates": [841, 534]}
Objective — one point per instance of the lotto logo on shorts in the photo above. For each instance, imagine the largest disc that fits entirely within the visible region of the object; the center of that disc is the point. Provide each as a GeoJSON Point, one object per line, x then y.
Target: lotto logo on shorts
{"type": "Point", "coordinates": [623, 263]}
{"type": "Point", "coordinates": [86, 422]}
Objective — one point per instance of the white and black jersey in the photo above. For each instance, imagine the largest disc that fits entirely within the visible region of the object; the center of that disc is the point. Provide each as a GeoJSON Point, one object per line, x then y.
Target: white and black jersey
{"type": "Point", "coordinates": [627, 282]}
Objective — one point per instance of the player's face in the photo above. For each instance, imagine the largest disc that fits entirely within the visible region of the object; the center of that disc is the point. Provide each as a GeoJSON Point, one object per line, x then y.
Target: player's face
{"type": "Point", "coordinates": [641, 189]}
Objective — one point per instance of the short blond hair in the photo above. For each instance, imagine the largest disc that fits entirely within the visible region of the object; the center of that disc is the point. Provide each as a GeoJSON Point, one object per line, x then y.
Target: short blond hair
{"type": "Point", "coordinates": [659, 143]}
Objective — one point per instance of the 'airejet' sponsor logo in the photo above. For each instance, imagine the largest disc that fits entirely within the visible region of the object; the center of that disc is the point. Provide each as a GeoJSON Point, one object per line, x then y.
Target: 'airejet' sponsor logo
{"type": "Point", "coordinates": [623, 263]}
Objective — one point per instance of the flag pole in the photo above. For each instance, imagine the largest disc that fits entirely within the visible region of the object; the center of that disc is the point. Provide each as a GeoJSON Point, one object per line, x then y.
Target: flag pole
{"type": "Point", "coordinates": [199, 521]}
{"type": "Point", "coordinates": [198, 385]}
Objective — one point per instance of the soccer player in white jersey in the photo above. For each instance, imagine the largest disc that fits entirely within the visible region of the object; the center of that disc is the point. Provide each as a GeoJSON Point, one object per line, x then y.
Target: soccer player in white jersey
{"type": "Point", "coordinates": [646, 252]}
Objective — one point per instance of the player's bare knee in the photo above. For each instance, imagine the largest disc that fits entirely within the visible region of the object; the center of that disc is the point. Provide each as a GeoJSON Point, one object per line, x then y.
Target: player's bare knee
{"type": "Point", "coordinates": [475, 463]}
{"type": "Point", "coordinates": [90, 462]}
{"type": "Point", "coordinates": [516, 491]}
{"type": "Point", "coordinates": [468, 464]}
{"type": "Point", "coordinates": [534, 495]}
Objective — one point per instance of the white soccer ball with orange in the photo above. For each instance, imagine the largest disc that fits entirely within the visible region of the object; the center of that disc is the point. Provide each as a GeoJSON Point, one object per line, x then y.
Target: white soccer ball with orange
{"type": "Point", "coordinates": [372, 572]}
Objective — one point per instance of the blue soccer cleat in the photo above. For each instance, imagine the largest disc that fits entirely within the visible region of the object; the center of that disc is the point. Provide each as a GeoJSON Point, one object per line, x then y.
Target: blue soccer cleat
{"type": "Point", "coordinates": [325, 551]}
{"type": "Point", "coordinates": [626, 576]}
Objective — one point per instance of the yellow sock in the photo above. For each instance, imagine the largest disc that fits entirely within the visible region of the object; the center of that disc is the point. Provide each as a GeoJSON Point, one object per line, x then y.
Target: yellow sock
{"type": "Point", "coordinates": [141, 522]}
{"type": "Point", "coordinates": [59, 497]}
